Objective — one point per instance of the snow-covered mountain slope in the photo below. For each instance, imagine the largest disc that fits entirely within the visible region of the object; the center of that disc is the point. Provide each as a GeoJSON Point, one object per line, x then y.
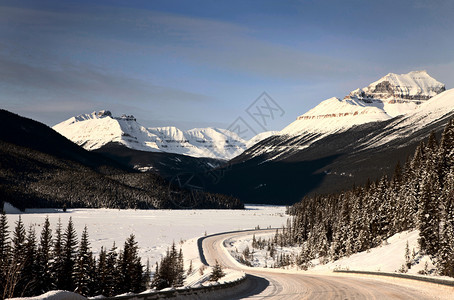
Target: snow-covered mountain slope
{"type": "Point", "coordinates": [388, 97]}
{"type": "Point", "coordinates": [260, 137]}
{"type": "Point", "coordinates": [335, 115]}
{"type": "Point", "coordinates": [92, 131]}
{"type": "Point", "coordinates": [434, 109]}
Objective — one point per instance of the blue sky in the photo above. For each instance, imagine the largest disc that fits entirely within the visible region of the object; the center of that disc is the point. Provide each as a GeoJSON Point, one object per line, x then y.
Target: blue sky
{"type": "Point", "coordinates": [202, 63]}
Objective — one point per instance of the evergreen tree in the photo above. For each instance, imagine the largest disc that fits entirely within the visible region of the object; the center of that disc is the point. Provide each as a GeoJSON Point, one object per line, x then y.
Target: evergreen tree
{"type": "Point", "coordinates": [217, 272]}
{"type": "Point", "coordinates": [131, 268]}
{"type": "Point", "coordinates": [82, 268]}
{"type": "Point", "coordinates": [4, 251]}
{"type": "Point", "coordinates": [171, 270]}
{"type": "Point", "coordinates": [57, 262]}
{"type": "Point", "coordinates": [147, 276]}
{"type": "Point", "coordinates": [93, 283]}
{"type": "Point", "coordinates": [30, 270]}
{"type": "Point", "coordinates": [102, 273]}
{"type": "Point", "coordinates": [445, 255]}
{"type": "Point", "coordinates": [19, 242]}
{"type": "Point", "coordinates": [69, 243]}
{"type": "Point", "coordinates": [113, 273]}
{"type": "Point", "coordinates": [18, 259]}
{"type": "Point", "coordinates": [179, 270]}
{"type": "Point", "coordinates": [428, 215]}
{"type": "Point", "coordinates": [45, 259]}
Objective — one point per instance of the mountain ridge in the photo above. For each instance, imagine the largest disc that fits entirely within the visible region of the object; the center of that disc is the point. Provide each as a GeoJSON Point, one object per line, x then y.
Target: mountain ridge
{"type": "Point", "coordinates": [93, 131]}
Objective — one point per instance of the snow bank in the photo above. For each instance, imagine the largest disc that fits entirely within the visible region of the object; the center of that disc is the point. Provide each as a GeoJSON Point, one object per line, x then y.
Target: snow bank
{"type": "Point", "coordinates": [389, 257]}
{"type": "Point", "coordinates": [56, 295]}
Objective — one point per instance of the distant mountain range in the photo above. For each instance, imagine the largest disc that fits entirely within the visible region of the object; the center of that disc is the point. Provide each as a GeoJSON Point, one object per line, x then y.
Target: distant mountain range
{"type": "Point", "coordinates": [332, 146]}
{"type": "Point", "coordinates": [95, 130]}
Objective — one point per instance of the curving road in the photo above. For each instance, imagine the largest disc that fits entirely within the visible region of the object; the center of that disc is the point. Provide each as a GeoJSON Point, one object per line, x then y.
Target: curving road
{"type": "Point", "coordinates": [280, 284]}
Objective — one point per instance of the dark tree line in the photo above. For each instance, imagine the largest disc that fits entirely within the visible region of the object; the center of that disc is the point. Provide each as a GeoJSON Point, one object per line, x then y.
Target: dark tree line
{"type": "Point", "coordinates": [419, 195]}
{"type": "Point", "coordinates": [30, 178]}
{"type": "Point", "coordinates": [31, 265]}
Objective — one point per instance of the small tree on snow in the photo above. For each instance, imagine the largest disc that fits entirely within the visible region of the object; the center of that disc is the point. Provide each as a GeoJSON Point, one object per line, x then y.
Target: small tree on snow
{"type": "Point", "coordinates": [407, 256]}
{"type": "Point", "coordinates": [217, 272]}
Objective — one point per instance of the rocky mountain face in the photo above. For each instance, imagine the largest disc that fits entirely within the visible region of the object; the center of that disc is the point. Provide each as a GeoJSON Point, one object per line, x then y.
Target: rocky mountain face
{"type": "Point", "coordinates": [415, 86]}
{"type": "Point", "coordinates": [341, 142]}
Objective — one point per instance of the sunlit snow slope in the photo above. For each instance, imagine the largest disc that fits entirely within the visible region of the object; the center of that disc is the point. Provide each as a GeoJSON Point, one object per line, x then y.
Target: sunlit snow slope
{"type": "Point", "coordinates": [92, 131]}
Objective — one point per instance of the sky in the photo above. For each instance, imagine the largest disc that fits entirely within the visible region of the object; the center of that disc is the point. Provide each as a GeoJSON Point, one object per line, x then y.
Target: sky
{"type": "Point", "coordinates": [205, 63]}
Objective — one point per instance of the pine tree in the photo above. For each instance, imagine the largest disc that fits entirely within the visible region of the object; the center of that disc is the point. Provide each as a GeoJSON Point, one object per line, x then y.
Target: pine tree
{"type": "Point", "coordinates": [4, 251]}
{"type": "Point", "coordinates": [407, 256]}
{"type": "Point", "coordinates": [18, 259]}
{"type": "Point", "coordinates": [69, 256]}
{"type": "Point", "coordinates": [217, 272]}
{"type": "Point", "coordinates": [157, 282]}
{"type": "Point", "coordinates": [19, 242]}
{"type": "Point", "coordinates": [179, 270]}
{"type": "Point", "coordinates": [428, 215]}
{"type": "Point", "coordinates": [45, 259]}
{"type": "Point", "coordinates": [83, 266]}
{"type": "Point", "coordinates": [57, 262]}
{"type": "Point", "coordinates": [113, 273]}
{"type": "Point", "coordinates": [30, 270]}
{"type": "Point", "coordinates": [131, 268]}
{"type": "Point", "coordinates": [445, 255]}
{"type": "Point", "coordinates": [147, 276]}
{"type": "Point", "coordinates": [93, 283]}
{"type": "Point", "coordinates": [102, 273]}
{"type": "Point", "coordinates": [190, 269]}
{"type": "Point", "coordinates": [170, 272]}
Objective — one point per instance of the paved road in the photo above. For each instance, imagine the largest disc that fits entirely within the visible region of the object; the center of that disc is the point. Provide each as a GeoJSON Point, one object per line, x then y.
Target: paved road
{"type": "Point", "coordinates": [279, 284]}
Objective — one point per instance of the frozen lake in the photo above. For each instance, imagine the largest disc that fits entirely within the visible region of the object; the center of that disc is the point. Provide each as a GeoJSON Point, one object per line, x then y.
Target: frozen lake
{"type": "Point", "coordinates": [155, 230]}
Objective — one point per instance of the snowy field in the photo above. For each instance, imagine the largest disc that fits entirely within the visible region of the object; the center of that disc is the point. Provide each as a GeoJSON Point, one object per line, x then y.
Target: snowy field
{"type": "Point", "coordinates": [155, 230]}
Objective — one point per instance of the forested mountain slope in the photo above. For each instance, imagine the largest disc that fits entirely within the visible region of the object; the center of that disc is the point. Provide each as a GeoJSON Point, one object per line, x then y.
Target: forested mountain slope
{"type": "Point", "coordinates": [419, 195]}
{"type": "Point", "coordinates": [40, 168]}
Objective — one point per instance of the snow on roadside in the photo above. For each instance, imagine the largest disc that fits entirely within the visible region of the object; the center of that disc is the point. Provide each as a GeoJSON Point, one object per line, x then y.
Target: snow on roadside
{"type": "Point", "coordinates": [200, 275]}
{"type": "Point", "coordinates": [389, 257]}
{"type": "Point", "coordinates": [55, 295]}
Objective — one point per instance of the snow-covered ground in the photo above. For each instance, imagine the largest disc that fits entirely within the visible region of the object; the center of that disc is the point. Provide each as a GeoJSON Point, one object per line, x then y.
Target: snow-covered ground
{"type": "Point", "coordinates": [389, 257]}
{"type": "Point", "coordinates": [155, 230]}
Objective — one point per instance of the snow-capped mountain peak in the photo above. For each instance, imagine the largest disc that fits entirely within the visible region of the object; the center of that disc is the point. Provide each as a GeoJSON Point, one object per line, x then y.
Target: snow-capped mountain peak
{"type": "Point", "coordinates": [415, 85]}
{"type": "Point", "coordinates": [390, 96]}
{"type": "Point", "coordinates": [399, 94]}
{"type": "Point", "coordinates": [92, 131]}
